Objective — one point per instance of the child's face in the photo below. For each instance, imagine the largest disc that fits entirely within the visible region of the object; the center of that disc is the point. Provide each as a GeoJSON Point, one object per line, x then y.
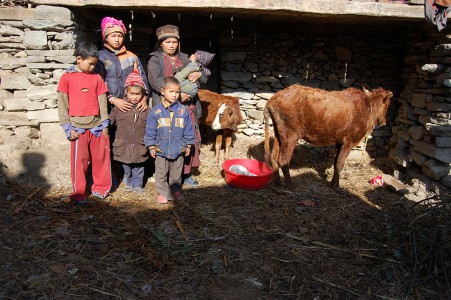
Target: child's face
{"type": "Point", "coordinates": [115, 40]}
{"type": "Point", "coordinates": [170, 46]}
{"type": "Point", "coordinates": [134, 94]}
{"type": "Point", "coordinates": [171, 92]}
{"type": "Point", "coordinates": [86, 65]}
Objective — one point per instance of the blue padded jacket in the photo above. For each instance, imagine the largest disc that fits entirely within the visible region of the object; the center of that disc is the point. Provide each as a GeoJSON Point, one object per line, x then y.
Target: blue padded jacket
{"type": "Point", "coordinates": [170, 137]}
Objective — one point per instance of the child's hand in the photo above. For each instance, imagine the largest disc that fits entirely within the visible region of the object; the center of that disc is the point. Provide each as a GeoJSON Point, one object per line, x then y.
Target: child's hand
{"type": "Point", "coordinates": [184, 97]}
{"type": "Point", "coordinates": [105, 131]}
{"type": "Point", "coordinates": [73, 135]}
{"type": "Point", "coordinates": [187, 150]}
{"type": "Point", "coordinates": [152, 151]}
{"type": "Point", "coordinates": [122, 104]}
{"type": "Point", "coordinates": [142, 106]}
{"type": "Point", "coordinates": [194, 76]}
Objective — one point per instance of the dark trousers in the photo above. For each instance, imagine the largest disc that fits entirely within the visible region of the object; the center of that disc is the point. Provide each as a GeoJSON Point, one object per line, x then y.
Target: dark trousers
{"type": "Point", "coordinates": [134, 174]}
{"type": "Point", "coordinates": [168, 176]}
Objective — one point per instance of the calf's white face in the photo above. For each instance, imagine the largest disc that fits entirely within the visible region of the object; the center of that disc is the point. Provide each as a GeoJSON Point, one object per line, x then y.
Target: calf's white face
{"type": "Point", "coordinates": [216, 125]}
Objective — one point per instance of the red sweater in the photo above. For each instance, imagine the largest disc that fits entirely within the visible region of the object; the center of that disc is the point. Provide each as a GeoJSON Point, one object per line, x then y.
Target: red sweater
{"type": "Point", "coordinates": [83, 90]}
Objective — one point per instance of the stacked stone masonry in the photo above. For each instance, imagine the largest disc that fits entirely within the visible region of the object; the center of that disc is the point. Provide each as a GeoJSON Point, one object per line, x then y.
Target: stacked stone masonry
{"type": "Point", "coordinates": [422, 135]}
{"type": "Point", "coordinates": [34, 52]}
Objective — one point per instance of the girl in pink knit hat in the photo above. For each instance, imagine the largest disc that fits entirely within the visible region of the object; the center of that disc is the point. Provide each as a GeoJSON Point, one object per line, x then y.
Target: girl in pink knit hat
{"type": "Point", "coordinates": [116, 63]}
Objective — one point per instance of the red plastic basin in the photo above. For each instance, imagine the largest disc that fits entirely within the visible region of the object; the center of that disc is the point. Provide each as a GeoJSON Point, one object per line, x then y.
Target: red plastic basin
{"type": "Point", "coordinates": [260, 169]}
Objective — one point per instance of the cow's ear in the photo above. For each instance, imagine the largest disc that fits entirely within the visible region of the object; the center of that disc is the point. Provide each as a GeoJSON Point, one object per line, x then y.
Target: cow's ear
{"type": "Point", "coordinates": [367, 93]}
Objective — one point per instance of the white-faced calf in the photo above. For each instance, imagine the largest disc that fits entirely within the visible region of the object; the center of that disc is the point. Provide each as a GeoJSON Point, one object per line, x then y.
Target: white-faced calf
{"type": "Point", "coordinates": [223, 114]}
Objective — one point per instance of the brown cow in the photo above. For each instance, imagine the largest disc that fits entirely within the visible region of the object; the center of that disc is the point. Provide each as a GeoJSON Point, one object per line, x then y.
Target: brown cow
{"type": "Point", "coordinates": [223, 114]}
{"type": "Point", "coordinates": [321, 118]}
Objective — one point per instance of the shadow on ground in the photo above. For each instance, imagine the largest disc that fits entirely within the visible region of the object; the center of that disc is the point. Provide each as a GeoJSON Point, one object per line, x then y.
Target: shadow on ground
{"type": "Point", "coordinates": [223, 243]}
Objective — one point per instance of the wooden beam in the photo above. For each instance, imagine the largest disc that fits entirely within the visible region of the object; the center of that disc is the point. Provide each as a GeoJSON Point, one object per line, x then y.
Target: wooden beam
{"type": "Point", "coordinates": [281, 7]}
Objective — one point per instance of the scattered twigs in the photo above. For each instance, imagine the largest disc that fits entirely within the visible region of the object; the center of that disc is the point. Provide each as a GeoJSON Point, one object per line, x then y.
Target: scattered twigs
{"type": "Point", "coordinates": [104, 293]}
{"type": "Point", "coordinates": [22, 205]}
{"type": "Point", "coordinates": [424, 200]}
{"type": "Point", "coordinates": [385, 298]}
{"type": "Point", "coordinates": [337, 286]}
{"type": "Point", "coordinates": [179, 225]}
{"type": "Point", "coordinates": [332, 247]}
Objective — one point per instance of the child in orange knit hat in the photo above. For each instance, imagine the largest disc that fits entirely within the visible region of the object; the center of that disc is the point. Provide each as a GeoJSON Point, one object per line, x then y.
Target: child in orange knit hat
{"type": "Point", "coordinates": [128, 144]}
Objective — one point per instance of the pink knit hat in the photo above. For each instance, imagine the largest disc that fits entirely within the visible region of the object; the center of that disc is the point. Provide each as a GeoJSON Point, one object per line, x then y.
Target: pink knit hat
{"type": "Point", "coordinates": [110, 25]}
{"type": "Point", "coordinates": [134, 79]}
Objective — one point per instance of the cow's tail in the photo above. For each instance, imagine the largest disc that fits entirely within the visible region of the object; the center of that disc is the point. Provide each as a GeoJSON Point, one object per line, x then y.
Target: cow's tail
{"type": "Point", "coordinates": [266, 116]}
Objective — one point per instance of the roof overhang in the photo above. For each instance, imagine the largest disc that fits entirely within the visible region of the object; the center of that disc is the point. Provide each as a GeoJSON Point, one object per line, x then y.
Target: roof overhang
{"type": "Point", "coordinates": [293, 11]}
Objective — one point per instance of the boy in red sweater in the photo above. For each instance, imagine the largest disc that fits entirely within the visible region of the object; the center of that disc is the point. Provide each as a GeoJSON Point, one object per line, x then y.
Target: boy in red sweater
{"type": "Point", "coordinates": [82, 110]}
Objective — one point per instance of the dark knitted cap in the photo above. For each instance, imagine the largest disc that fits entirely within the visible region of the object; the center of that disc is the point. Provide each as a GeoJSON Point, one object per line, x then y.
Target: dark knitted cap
{"type": "Point", "coordinates": [167, 31]}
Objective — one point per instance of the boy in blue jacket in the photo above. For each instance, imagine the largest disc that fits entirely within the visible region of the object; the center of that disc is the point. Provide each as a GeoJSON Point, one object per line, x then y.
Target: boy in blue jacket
{"type": "Point", "coordinates": [169, 136]}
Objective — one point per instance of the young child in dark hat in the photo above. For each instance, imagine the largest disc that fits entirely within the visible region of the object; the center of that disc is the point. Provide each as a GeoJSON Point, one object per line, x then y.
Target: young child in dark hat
{"type": "Point", "coordinates": [128, 144]}
{"type": "Point", "coordinates": [198, 62]}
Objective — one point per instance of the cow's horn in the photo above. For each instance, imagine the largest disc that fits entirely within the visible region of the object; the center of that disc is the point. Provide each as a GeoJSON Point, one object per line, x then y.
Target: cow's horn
{"type": "Point", "coordinates": [366, 91]}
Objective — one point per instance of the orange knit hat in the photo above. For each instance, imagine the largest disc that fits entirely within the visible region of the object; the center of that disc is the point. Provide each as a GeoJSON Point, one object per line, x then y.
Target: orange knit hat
{"type": "Point", "coordinates": [134, 79]}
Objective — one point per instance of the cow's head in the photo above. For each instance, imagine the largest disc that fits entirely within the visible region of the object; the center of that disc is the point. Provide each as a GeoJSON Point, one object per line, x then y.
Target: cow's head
{"type": "Point", "coordinates": [228, 117]}
{"type": "Point", "coordinates": [379, 100]}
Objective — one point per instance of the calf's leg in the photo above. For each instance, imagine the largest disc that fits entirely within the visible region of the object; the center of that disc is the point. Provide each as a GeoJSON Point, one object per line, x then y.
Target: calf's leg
{"type": "Point", "coordinates": [343, 151]}
{"type": "Point", "coordinates": [218, 144]}
{"type": "Point", "coordinates": [228, 142]}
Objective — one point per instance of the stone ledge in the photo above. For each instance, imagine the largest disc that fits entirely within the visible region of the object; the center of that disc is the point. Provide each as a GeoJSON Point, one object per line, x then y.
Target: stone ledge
{"type": "Point", "coordinates": [48, 66]}
{"type": "Point", "coordinates": [319, 8]}
{"type": "Point", "coordinates": [50, 53]}
{"type": "Point", "coordinates": [16, 13]}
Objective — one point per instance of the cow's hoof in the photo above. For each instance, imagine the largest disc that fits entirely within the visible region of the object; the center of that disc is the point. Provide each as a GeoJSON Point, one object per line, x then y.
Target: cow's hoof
{"type": "Point", "coordinates": [277, 183]}
{"type": "Point", "coordinates": [335, 184]}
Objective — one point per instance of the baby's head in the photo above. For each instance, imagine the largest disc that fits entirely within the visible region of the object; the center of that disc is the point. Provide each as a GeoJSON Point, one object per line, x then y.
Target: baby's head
{"type": "Point", "coordinates": [203, 57]}
{"type": "Point", "coordinates": [87, 57]}
{"type": "Point", "coordinates": [193, 57]}
{"type": "Point", "coordinates": [134, 87]}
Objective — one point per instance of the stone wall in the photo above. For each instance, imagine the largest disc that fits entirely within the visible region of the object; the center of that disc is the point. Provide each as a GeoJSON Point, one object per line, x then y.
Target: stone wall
{"type": "Point", "coordinates": [255, 66]}
{"type": "Point", "coordinates": [422, 136]}
{"type": "Point", "coordinates": [34, 52]}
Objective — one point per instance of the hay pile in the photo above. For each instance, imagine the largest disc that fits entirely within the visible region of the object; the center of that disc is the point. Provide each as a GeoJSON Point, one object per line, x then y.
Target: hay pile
{"type": "Point", "coordinates": [312, 242]}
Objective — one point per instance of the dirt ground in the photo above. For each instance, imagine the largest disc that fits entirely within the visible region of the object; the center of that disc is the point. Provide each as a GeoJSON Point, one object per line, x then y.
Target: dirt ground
{"type": "Point", "coordinates": [312, 242]}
